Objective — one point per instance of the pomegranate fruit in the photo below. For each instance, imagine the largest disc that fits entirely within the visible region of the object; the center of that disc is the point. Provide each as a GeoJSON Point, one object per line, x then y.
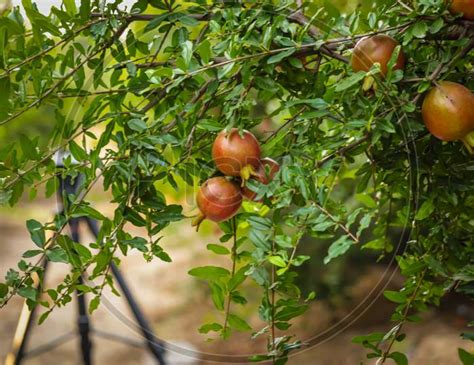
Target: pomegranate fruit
{"type": "Point", "coordinates": [218, 199]}
{"type": "Point", "coordinates": [466, 7]}
{"type": "Point", "coordinates": [236, 155]}
{"type": "Point", "coordinates": [265, 173]}
{"type": "Point", "coordinates": [376, 49]}
{"type": "Point", "coordinates": [448, 111]}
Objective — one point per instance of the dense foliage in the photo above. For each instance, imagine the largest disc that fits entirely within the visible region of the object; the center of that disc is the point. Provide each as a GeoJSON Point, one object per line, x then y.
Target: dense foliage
{"type": "Point", "coordinates": [153, 85]}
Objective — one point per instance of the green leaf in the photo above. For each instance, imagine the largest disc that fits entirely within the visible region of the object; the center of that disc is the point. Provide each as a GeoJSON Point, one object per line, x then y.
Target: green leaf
{"type": "Point", "coordinates": [137, 125]}
{"type": "Point", "coordinates": [338, 248]}
{"type": "Point", "coordinates": [425, 210]}
{"type": "Point", "coordinates": [57, 254]}
{"type": "Point", "coordinates": [399, 358]}
{"type": "Point", "coordinates": [209, 272]}
{"type": "Point", "coordinates": [237, 279]}
{"type": "Point", "coordinates": [217, 296]}
{"type": "Point", "coordinates": [277, 261]}
{"type": "Point", "coordinates": [377, 244]}
{"type": "Point", "coordinates": [51, 186]}
{"type": "Point", "coordinates": [238, 323]}
{"type": "Point", "coordinates": [265, 83]}
{"type": "Point", "coordinates": [70, 7]}
{"type": "Point", "coordinates": [218, 249]}
{"type": "Point", "coordinates": [437, 25]}
{"type": "Point", "coordinates": [28, 292]}
{"type": "Point", "coordinates": [303, 186]}
{"type": "Point", "coordinates": [280, 56]}
{"type": "Point", "coordinates": [102, 260]}
{"type": "Point", "coordinates": [77, 152]}
{"type": "Point", "coordinates": [204, 50]}
{"type": "Point", "coordinates": [367, 200]}
{"type": "Point", "coordinates": [259, 239]}
{"type": "Point", "coordinates": [83, 252]}
{"type": "Point", "coordinates": [3, 290]}
{"type": "Point", "coordinates": [94, 304]}
{"type": "Point", "coordinates": [284, 241]}
{"type": "Point", "coordinates": [350, 81]}
{"type": "Point", "coordinates": [36, 232]}
{"type": "Point", "coordinates": [260, 275]}
{"type": "Point", "coordinates": [163, 256]}
{"type": "Point", "coordinates": [260, 223]}
{"type": "Point", "coordinates": [28, 147]}
{"type": "Point", "coordinates": [419, 29]}
{"type": "Point", "coordinates": [371, 338]}
{"type": "Point", "coordinates": [131, 69]}
{"type": "Point", "coordinates": [32, 253]}
{"type": "Point", "coordinates": [290, 312]}
{"type": "Point", "coordinates": [52, 293]}
{"type": "Point", "coordinates": [85, 9]}
{"type": "Point", "coordinates": [395, 296]}
{"type": "Point", "coordinates": [187, 20]}
{"type": "Point", "coordinates": [134, 218]}
{"type": "Point", "coordinates": [208, 327]}
{"type": "Point", "coordinates": [295, 62]}
{"type": "Point", "coordinates": [209, 125]}
{"type": "Point", "coordinates": [156, 22]}
{"type": "Point", "coordinates": [138, 243]}
{"type": "Point", "coordinates": [364, 223]}
{"type": "Point", "coordinates": [43, 317]}
{"type": "Point", "coordinates": [466, 358]}
{"type": "Point", "coordinates": [187, 52]}
{"type": "Point", "coordinates": [5, 196]}
{"type": "Point", "coordinates": [88, 211]}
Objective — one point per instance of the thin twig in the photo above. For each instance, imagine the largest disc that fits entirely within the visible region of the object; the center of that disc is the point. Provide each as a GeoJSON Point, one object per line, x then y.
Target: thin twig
{"type": "Point", "coordinates": [284, 125]}
{"type": "Point", "coordinates": [149, 17]}
{"type": "Point", "coordinates": [340, 224]}
{"type": "Point", "coordinates": [162, 43]}
{"type": "Point", "coordinates": [82, 94]}
{"type": "Point", "coordinates": [403, 320]}
{"type": "Point", "coordinates": [234, 261]}
{"type": "Point", "coordinates": [404, 5]}
{"type": "Point", "coordinates": [272, 303]}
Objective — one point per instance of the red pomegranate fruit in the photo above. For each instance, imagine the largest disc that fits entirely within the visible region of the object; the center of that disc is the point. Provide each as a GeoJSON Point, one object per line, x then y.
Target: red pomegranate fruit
{"type": "Point", "coordinates": [265, 173]}
{"type": "Point", "coordinates": [218, 199]}
{"type": "Point", "coordinates": [235, 154]}
{"type": "Point", "coordinates": [448, 111]}
{"type": "Point", "coordinates": [466, 7]}
{"type": "Point", "coordinates": [376, 49]}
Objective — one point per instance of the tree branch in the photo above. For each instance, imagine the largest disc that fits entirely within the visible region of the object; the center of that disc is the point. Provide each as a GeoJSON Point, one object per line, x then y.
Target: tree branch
{"type": "Point", "coordinates": [339, 223]}
{"type": "Point", "coordinates": [150, 17]}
